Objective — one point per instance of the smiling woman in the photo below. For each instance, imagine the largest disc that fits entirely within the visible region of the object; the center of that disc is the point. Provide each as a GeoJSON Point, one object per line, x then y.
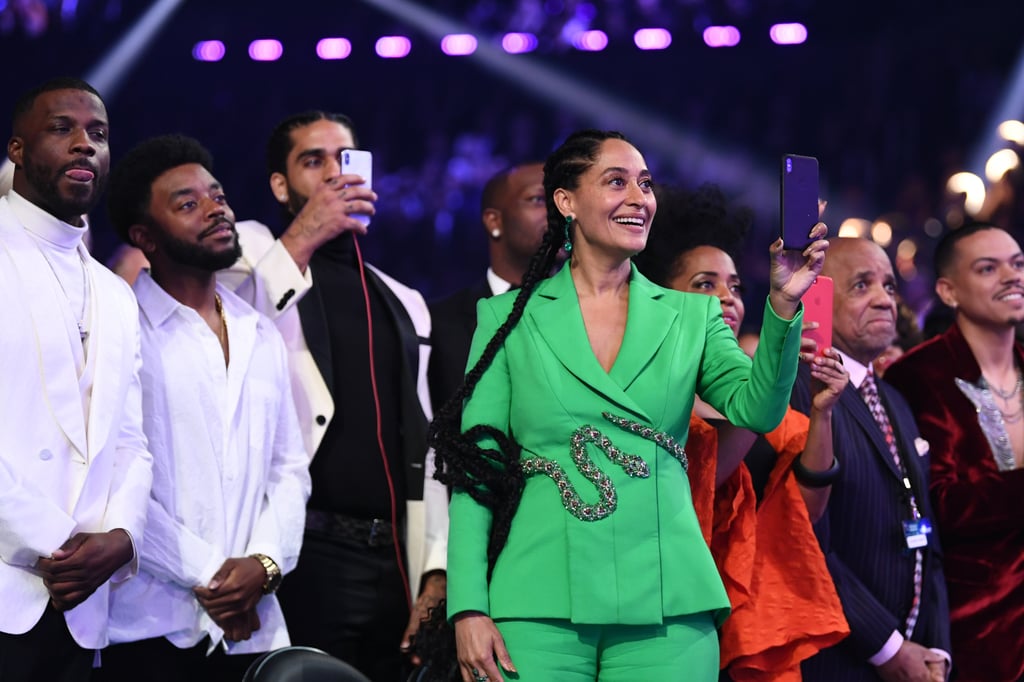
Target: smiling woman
{"type": "Point", "coordinates": [566, 463]}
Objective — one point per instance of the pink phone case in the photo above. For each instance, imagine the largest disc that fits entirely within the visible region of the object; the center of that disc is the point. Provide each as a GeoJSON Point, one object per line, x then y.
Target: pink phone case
{"type": "Point", "coordinates": [817, 302]}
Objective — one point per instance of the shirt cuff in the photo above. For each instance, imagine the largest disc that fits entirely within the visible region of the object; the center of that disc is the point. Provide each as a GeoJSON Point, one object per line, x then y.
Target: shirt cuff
{"type": "Point", "coordinates": [888, 650]}
{"type": "Point", "coordinates": [946, 655]}
{"type": "Point", "coordinates": [131, 568]}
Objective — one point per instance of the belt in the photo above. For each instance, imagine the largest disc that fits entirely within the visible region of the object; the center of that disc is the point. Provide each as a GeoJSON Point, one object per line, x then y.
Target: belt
{"type": "Point", "coordinates": [372, 533]}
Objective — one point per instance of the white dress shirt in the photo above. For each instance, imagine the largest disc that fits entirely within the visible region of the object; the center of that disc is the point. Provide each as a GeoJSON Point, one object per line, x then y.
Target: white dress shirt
{"type": "Point", "coordinates": [230, 473]}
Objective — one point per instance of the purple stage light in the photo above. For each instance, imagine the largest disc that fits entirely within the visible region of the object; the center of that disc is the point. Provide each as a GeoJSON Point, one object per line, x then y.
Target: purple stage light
{"type": "Point", "coordinates": [788, 34]}
{"type": "Point", "coordinates": [458, 44]}
{"type": "Point", "coordinates": [393, 47]}
{"type": "Point", "coordinates": [590, 41]}
{"type": "Point", "coordinates": [208, 51]}
{"type": "Point", "coordinates": [333, 48]}
{"type": "Point", "coordinates": [266, 50]}
{"type": "Point", "coordinates": [721, 36]}
{"type": "Point", "coordinates": [652, 38]}
{"type": "Point", "coordinates": [518, 43]}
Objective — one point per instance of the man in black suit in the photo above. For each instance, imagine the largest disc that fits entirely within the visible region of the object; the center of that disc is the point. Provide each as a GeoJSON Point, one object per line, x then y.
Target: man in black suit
{"type": "Point", "coordinates": [875, 532]}
{"type": "Point", "coordinates": [513, 212]}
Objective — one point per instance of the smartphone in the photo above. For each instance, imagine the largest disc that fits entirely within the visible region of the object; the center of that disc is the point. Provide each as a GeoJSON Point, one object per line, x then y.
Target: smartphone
{"type": "Point", "coordinates": [799, 200]}
{"type": "Point", "coordinates": [817, 302]}
{"type": "Point", "coordinates": [360, 163]}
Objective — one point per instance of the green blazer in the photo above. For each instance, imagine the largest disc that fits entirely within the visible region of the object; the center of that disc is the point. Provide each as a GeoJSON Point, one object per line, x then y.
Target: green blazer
{"type": "Point", "coordinates": [647, 559]}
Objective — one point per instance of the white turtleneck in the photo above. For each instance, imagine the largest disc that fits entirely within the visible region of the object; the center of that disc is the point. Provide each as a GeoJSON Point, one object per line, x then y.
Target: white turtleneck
{"type": "Point", "coordinates": [59, 243]}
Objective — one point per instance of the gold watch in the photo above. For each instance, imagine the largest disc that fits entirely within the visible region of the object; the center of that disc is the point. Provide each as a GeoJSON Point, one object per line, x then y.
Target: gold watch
{"type": "Point", "coordinates": [274, 576]}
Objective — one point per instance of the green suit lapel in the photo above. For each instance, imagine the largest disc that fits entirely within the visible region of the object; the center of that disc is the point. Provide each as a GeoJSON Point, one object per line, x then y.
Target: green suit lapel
{"type": "Point", "coordinates": [556, 314]}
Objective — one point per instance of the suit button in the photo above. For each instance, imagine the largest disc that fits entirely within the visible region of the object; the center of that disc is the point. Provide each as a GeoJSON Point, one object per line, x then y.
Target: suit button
{"type": "Point", "coordinates": [45, 455]}
{"type": "Point", "coordinates": [321, 420]}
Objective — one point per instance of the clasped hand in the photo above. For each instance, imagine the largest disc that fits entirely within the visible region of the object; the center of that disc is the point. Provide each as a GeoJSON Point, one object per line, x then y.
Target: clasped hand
{"type": "Point", "coordinates": [232, 595]}
{"type": "Point", "coordinates": [82, 564]}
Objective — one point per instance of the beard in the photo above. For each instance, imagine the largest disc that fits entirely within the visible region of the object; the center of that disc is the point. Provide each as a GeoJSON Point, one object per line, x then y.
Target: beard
{"type": "Point", "coordinates": [197, 255]}
{"type": "Point", "coordinates": [65, 202]}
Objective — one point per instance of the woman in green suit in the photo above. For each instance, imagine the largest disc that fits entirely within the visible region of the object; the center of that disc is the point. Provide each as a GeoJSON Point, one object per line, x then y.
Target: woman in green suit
{"type": "Point", "coordinates": [574, 550]}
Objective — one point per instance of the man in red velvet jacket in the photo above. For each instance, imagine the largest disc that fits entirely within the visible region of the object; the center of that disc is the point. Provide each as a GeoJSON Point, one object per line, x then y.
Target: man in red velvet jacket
{"type": "Point", "coordinates": [967, 393]}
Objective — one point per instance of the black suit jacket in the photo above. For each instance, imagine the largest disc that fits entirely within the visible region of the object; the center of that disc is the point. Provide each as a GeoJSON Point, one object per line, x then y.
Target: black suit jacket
{"type": "Point", "coordinates": [862, 537]}
{"type": "Point", "coordinates": [453, 322]}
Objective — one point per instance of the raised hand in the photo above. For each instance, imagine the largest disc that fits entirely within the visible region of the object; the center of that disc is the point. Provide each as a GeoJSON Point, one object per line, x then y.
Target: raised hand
{"type": "Point", "coordinates": [793, 272]}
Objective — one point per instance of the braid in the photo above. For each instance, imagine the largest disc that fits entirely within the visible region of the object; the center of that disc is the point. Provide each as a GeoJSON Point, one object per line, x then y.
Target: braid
{"type": "Point", "coordinates": [491, 476]}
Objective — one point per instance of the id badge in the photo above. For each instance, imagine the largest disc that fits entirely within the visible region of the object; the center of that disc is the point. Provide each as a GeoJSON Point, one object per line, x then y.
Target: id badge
{"type": "Point", "coordinates": [916, 533]}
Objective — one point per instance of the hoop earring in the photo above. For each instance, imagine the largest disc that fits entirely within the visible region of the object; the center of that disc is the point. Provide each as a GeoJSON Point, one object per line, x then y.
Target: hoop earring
{"type": "Point", "coordinates": [567, 246]}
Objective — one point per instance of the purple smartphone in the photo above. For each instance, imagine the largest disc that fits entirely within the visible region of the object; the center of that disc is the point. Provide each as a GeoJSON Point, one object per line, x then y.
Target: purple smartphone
{"type": "Point", "coordinates": [799, 200]}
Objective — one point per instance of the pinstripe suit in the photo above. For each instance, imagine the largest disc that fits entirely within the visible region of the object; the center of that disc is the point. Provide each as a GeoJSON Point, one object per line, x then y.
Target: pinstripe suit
{"type": "Point", "coordinates": [862, 536]}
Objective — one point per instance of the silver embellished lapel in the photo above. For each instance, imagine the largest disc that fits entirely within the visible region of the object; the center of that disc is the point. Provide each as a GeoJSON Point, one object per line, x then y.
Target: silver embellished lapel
{"type": "Point", "coordinates": [990, 419]}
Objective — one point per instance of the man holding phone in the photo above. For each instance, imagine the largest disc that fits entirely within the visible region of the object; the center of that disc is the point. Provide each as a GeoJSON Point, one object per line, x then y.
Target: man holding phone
{"type": "Point", "coordinates": [876, 532]}
{"type": "Point", "coordinates": [376, 523]}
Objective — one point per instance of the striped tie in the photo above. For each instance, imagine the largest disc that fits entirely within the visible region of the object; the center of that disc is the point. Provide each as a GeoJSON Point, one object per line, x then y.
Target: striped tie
{"type": "Point", "coordinates": [869, 392]}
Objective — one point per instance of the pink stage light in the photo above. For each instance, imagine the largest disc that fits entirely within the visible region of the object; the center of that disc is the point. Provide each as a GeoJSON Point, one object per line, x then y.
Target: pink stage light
{"type": "Point", "coordinates": [458, 44]}
{"type": "Point", "coordinates": [519, 43]}
{"type": "Point", "coordinates": [788, 34]}
{"type": "Point", "coordinates": [333, 48]}
{"type": "Point", "coordinates": [721, 36]}
{"type": "Point", "coordinates": [652, 38]}
{"type": "Point", "coordinates": [267, 50]}
{"type": "Point", "coordinates": [208, 51]}
{"type": "Point", "coordinates": [393, 47]}
{"type": "Point", "coordinates": [590, 41]}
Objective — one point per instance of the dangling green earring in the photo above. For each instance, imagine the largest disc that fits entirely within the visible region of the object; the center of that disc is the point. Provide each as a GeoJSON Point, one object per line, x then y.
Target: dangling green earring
{"type": "Point", "coordinates": [567, 246]}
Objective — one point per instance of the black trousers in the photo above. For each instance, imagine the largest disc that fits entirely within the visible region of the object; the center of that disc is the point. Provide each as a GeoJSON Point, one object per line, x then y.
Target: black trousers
{"type": "Point", "coordinates": [348, 599]}
{"type": "Point", "coordinates": [46, 652]}
{"type": "Point", "coordinates": [157, 660]}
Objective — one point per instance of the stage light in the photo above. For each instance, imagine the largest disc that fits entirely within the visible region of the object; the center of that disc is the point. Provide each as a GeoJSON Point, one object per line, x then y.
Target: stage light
{"type": "Point", "coordinates": [265, 50]}
{"type": "Point", "coordinates": [970, 185]}
{"type": "Point", "coordinates": [333, 48]}
{"type": "Point", "coordinates": [519, 43]}
{"type": "Point", "coordinates": [721, 36]}
{"type": "Point", "coordinates": [458, 44]}
{"type": "Point", "coordinates": [881, 233]}
{"type": "Point", "coordinates": [590, 41]}
{"type": "Point", "coordinates": [1000, 163]}
{"type": "Point", "coordinates": [907, 249]}
{"type": "Point", "coordinates": [652, 38]}
{"type": "Point", "coordinates": [393, 47]}
{"type": "Point", "coordinates": [208, 51]}
{"type": "Point", "coordinates": [788, 34]}
{"type": "Point", "coordinates": [1012, 131]}
{"type": "Point", "coordinates": [854, 227]}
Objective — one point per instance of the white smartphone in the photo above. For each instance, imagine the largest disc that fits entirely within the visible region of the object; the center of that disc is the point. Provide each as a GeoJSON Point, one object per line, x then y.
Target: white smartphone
{"type": "Point", "coordinates": [360, 163]}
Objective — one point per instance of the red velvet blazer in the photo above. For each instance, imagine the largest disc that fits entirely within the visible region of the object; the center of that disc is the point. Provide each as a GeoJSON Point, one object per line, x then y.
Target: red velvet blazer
{"type": "Point", "coordinates": [980, 510]}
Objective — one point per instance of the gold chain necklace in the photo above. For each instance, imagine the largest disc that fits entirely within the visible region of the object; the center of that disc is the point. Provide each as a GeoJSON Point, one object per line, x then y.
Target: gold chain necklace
{"type": "Point", "coordinates": [222, 333]}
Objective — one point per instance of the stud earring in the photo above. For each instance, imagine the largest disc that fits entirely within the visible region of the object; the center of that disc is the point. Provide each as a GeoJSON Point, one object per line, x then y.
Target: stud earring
{"type": "Point", "coordinates": [495, 233]}
{"type": "Point", "coordinates": [567, 246]}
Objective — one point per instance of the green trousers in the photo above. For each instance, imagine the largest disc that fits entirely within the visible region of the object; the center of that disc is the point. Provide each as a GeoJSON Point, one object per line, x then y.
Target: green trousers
{"type": "Point", "coordinates": [682, 648]}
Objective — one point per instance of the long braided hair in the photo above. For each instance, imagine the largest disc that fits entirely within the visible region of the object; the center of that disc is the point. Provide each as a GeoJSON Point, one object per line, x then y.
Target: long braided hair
{"type": "Point", "coordinates": [492, 476]}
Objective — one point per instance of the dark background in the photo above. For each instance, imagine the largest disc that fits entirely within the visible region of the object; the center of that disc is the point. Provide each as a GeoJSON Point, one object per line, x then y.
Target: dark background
{"type": "Point", "coordinates": [892, 97]}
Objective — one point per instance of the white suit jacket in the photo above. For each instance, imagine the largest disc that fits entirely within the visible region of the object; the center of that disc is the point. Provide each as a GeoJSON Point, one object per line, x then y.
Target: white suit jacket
{"type": "Point", "coordinates": [61, 473]}
{"type": "Point", "coordinates": [267, 277]}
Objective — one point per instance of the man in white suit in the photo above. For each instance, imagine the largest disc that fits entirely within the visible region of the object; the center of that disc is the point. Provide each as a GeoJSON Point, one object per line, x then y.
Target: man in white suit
{"type": "Point", "coordinates": [373, 555]}
{"type": "Point", "coordinates": [74, 469]}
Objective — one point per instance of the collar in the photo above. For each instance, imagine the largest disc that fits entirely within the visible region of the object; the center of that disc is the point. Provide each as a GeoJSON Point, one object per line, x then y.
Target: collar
{"type": "Point", "coordinates": [857, 371]}
{"type": "Point", "coordinates": [496, 283]}
{"type": "Point", "coordinates": [44, 226]}
{"type": "Point", "coordinates": [158, 306]}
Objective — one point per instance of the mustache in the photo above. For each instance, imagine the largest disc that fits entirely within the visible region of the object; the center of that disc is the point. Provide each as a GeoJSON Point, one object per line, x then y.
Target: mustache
{"type": "Point", "coordinates": [81, 164]}
{"type": "Point", "coordinates": [218, 224]}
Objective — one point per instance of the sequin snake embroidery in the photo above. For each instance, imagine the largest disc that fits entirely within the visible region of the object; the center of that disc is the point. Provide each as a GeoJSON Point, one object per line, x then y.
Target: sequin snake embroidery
{"type": "Point", "coordinates": [634, 466]}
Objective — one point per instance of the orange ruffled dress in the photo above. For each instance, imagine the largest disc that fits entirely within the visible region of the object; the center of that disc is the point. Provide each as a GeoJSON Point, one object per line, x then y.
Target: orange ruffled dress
{"type": "Point", "coordinates": [784, 604]}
